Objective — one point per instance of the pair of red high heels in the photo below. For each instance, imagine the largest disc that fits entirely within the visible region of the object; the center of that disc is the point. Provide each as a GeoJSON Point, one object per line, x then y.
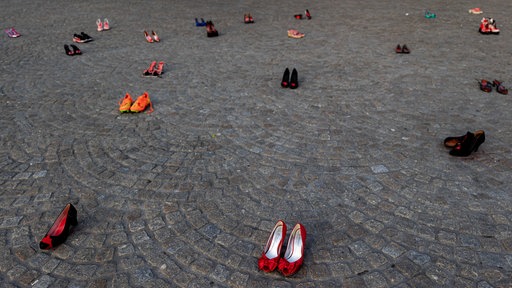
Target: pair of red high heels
{"type": "Point", "coordinates": [60, 229]}
{"type": "Point", "coordinates": [292, 260]}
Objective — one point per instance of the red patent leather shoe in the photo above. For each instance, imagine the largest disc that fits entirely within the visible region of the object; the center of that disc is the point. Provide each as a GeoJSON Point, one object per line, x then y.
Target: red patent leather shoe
{"type": "Point", "coordinates": [60, 228]}
{"type": "Point", "coordinates": [271, 254]}
{"type": "Point", "coordinates": [499, 87]}
{"type": "Point", "coordinates": [294, 255]}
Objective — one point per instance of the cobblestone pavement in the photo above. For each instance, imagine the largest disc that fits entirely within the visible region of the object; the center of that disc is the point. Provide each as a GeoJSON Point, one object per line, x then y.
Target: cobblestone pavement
{"type": "Point", "coordinates": [187, 196]}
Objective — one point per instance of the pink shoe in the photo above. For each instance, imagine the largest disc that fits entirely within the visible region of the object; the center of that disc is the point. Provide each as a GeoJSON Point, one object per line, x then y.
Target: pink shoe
{"type": "Point", "coordinates": [12, 33]}
{"type": "Point", "coordinates": [106, 25]}
{"type": "Point", "coordinates": [100, 25]}
{"type": "Point", "coordinates": [155, 37]}
{"type": "Point", "coordinates": [148, 38]}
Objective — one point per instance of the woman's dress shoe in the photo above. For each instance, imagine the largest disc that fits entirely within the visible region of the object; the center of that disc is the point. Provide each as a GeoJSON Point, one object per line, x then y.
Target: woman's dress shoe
{"type": "Point", "coordinates": [271, 254]}
{"type": "Point", "coordinates": [294, 255]}
{"type": "Point", "coordinates": [60, 228]}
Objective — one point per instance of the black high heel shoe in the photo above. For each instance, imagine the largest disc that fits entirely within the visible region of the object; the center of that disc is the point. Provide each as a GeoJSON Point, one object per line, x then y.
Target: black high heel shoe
{"type": "Point", "coordinates": [294, 80]}
{"type": "Point", "coordinates": [60, 228]}
{"type": "Point", "coordinates": [469, 143]}
{"type": "Point", "coordinates": [68, 51]}
{"type": "Point", "coordinates": [286, 79]}
{"type": "Point", "coordinates": [452, 141]}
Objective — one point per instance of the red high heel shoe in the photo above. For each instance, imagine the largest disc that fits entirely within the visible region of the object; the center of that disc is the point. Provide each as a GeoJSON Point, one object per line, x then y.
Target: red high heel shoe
{"type": "Point", "coordinates": [60, 228]}
{"type": "Point", "coordinates": [294, 255]}
{"type": "Point", "coordinates": [308, 15]}
{"type": "Point", "coordinates": [210, 29]}
{"type": "Point", "coordinates": [271, 254]}
{"type": "Point", "coordinates": [151, 70]}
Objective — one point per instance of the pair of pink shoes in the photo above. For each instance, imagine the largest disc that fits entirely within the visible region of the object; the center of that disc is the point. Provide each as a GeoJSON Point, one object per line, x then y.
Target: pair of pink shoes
{"type": "Point", "coordinates": [102, 25]}
{"type": "Point", "coordinates": [151, 38]}
{"type": "Point", "coordinates": [293, 258]}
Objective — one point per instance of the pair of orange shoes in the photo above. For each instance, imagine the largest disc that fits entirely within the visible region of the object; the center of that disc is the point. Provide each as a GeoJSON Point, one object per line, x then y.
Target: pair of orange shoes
{"type": "Point", "coordinates": [128, 105]}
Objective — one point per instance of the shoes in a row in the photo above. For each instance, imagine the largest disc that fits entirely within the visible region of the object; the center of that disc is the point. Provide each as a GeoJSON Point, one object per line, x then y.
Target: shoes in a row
{"type": "Point", "coordinates": [72, 51]}
{"type": "Point", "coordinates": [248, 19]}
{"type": "Point", "coordinates": [488, 26]}
{"type": "Point", "coordinates": [299, 16]}
{"type": "Point", "coordinates": [464, 145]}
{"type": "Point", "coordinates": [82, 38]}
{"type": "Point", "coordinates": [487, 86]}
{"type": "Point", "coordinates": [12, 33]}
{"type": "Point", "coordinates": [128, 105]}
{"type": "Point", "coordinates": [292, 260]}
{"type": "Point", "coordinates": [151, 38]}
{"type": "Point", "coordinates": [210, 29]}
{"type": "Point", "coordinates": [154, 70]}
{"type": "Point", "coordinates": [288, 82]}
{"type": "Point", "coordinates": [402, 49]}
{"type": "Point", "coordinates": [102, 26]}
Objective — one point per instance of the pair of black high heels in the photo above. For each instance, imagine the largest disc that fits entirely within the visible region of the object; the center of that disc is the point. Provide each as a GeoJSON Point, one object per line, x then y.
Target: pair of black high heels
{"type": "Point", "coordinates": [60, 229]}
{"type": "Point", "coordinates": [288, 82]}
{"type": "Point", "coordinates": [464, 145]}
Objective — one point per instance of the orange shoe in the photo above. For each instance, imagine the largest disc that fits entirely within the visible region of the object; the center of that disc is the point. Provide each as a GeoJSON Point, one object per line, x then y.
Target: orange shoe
{"type": "Point", "coordinates": [125, 103]}
{"type": "Point", "coordinates": [141, 103]}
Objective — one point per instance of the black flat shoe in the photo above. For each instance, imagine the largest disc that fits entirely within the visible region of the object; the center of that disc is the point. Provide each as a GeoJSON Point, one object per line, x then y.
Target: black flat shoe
{"type": "Point", "coordinates": [286, 79]}
{"type": "Point", "coordinates": [469, 143]}
{"type": "Point", "coordinates": [60, 228]}
{"type": "Point", "coordinates": [452, 141]}
{"type": "Point", "coordinates": [294, 81]}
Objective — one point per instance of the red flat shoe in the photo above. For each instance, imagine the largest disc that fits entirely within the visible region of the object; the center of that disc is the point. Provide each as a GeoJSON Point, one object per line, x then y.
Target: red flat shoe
{"type": "Point", "coordinates": [60, 228]}
{"type": "Point", "coordinates": [298, 16]}
{"type": "Point", "coordinates": [499, 87]}
{"type": "Point", "coordinates": [294, 255]}
{"type": "Point", "coordinates": [485, 85]}
{"type": "Point", "coordinates": [271, 254]}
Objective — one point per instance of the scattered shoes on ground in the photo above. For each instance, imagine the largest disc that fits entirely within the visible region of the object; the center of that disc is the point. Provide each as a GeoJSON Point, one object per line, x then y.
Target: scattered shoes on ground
{"type": "Point", "coordinates": [12, 33]}
{"type": "Point", "coordinates": [210, 29]}
{"type": "Point", "coordinates": [102, 26]}
{"type": "Point", "coordinates": [293, 258]}
{"type": "Point", "coordinates": [488, 26]}
{"type": "Point", "coordinates": [464, 145]}
{"type": "Point", "coordinates": [288, 82]}
{"type": "Point", "coordinates": [82, 38]}
{"type": "Point", "coordinates": [402, 49]}
{"type": "Point", "coordinates": [292, 33]}
{"type": "Point", "coordinates": [128, 105]}
{"type": "Point", "coordinates": [60, 229]}
{"type": "Point", "coordinates": [154, 69]}
{"type": "Point", "coordinates": [74, 50]}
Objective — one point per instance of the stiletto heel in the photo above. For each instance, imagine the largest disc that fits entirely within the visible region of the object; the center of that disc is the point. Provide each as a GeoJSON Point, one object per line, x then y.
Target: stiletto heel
{"type": "Point", "coordinates": [271, 254]}
{"type": "Point", "coordinates": [286, 79]}
{"type": "Point", "coordinates": [60, 228]}
{"type": "Point", "coordinates": [308, 15]}
{"type": "Point", "coordinates": [294, 255]}
{"type": "Point", "coordinates": [470, 143]}
{"type": "Point", "coordinates": [294, 81]}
